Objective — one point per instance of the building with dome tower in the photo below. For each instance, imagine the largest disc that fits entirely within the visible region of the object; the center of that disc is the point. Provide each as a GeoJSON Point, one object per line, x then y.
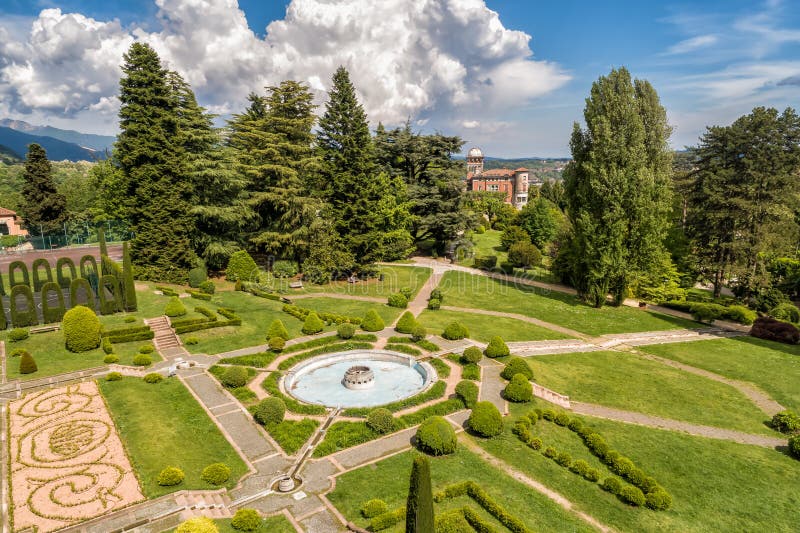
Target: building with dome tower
{"type": "Point", "coordinates": [513, 183]}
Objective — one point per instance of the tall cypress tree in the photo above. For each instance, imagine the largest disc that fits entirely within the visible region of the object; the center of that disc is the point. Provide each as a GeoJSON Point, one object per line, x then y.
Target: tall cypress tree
{"type": "Point", "coordinates": [419, 506]}
{"type": "Point", "coordinates": [370, 209]}
{"type": "Point", "coordinates": [44, 207]}
{"type": "Point", "coordinates": [617, 188]}
{"type": "Point", "coordinates": [128, 286]}
{"type": "Point", "coordinates": [155, 169]}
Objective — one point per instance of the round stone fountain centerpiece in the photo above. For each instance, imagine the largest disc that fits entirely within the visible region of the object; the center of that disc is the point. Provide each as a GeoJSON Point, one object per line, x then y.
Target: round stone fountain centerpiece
{"type": "Point", "coordinates": [359, 377]}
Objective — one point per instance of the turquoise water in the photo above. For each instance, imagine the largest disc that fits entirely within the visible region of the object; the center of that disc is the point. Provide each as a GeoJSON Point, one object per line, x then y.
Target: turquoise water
{"type": "Point", "coordinates": [393, 381]}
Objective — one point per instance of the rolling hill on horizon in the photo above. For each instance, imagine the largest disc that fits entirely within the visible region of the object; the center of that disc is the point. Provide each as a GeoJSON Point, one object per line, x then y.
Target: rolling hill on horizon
{"type": "Point", "coordinates": [16, 142]}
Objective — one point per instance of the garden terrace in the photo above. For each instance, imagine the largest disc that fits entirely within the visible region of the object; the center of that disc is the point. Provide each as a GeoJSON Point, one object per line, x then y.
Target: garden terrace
{"type": "Point", "coordinates": [482, 328]}
{"type": "Point", "coordinates": [395, 277]}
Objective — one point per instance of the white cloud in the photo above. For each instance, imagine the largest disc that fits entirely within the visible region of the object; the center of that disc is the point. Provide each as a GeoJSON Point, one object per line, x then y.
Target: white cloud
{"type": "Point", "coordinates": [692, 44]}
{"type": "Point", "coordinates": [423, 59]}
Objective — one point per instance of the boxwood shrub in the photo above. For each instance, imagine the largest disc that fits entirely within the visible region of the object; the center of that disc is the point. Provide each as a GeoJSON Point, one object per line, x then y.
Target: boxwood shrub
{"type": "Point", "coordinates": [276, 344]}
{"type": "Point", "coordinates": [142, 359]}
{"type": "Point", "coordinates": [398, 300]}
{"type": "Point", "coordinates": [246, 520]}
{"type": "Point", "coordinates": [170, 476]}
{"type": "Point", "coordinates": [455, 331]}
{"type": "Point", "coordinates": [234, 376]}
{"type": "Point", "coordinates": [658, 500]}
{"type": "Point", "coordinates": [632, 495]}
{"type": "Point", "coordinates": [472, 354]}
{"type": "Point", "coordinates": [406, 324]}
{"type": "Point", "coordinates": [373, 508]}
{"type": "Point", "coordinates": [270, 411]}
{"type": "Point", "coordinates": [519, 390]}
{"type": "Point", "coordinates": [612, 485]}
{"type": "Point", "coordinates": [346, 330]}
{"type": "Point", "coordinates": [18, 334]}
{"type": "Point", "coordinates": [312, 324]}
{"type": "Point", "coordinates": [277, 329]}
{"type": "Point", "coordinates": [372, 321]}
{"type": "Point", "coordinates": [496, 348]}
{"type": "Point", "coordinates": [434, 304]}
{"type": "Point", "coordinates": [153, 378]}
{"type": "Point", "coordinates": [381, 420]}
{"type": "Point", "coordinates": [111, 358]}
{"type": "Point", "coordinates": [436, 436]}
{"type": "Point", "coordinates": [174, 307]}
{"type": "Point", "coordinates": [21, 318]}
{"type": "Point", "coordinates": [468, 392]}
{"type": "Point", "coordinates": [113, 376]}
{"type": "Point", "coordinates": [785, 422]}
{"type": "Point", "coordinates": [81, 329]}
{"type": "Point", "coordinates": [794, 446]}
{"type": "Point", "coordinates": [517, 365]}
{"type": "Point", "coordinates": [241, 267]}
{"type": "Point", "coordinates": [216, 473]}
{"type": "Point", "coordinates": [485, 419]}
{"type": "Point", "coordinates": [27, 365]}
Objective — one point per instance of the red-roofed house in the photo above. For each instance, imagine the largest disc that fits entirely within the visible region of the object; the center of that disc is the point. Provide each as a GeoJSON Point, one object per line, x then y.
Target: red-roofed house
{"type": "Point", "coordinates": [10, 224]}
{"type": "Point", "coordinates": [514, 183]}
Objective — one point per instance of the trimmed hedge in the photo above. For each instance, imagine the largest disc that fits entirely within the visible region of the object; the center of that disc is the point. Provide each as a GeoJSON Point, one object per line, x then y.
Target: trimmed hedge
{"type": "Point", "coordinates": [153, 378]}
{"type": "Point", "coordinates": [88, 266]}
{"type": "Point", "coordinates": [373, 508]}
{"type": "Point", "coordinates": [109, 306]}
{"type": "Point", "coordinates": [519, 390]}
{"type": "Point", "coordinates": [241, 267]}
{"type": "Point", "coordinates": [398, 300]}
{"type": "Point", "coordinates": [21, 318]}
{"type": "Point", "coordinates": [482, 498]}
{"type": "Point", "coordinates": [485, 420]}
{"type": "Point", "coordinates": [301, 313]}
{"type": "Point", "coordinates": [472, 354]}
{"type": "Point", "coordinates": [270, 411]}
{"type": "Point", "coordinates": [27, 365]}
{"type": "Point", "coordinates": [38, 280]}
{"type": "Point", "coordinates": [313, 324]}
{"type": "Point", "coordinates": [170, 476]}
{"type": "Point", "coordinates": [277, 329]}
{"type": "Point", "coordinates": [346, 330]}
{"type": "Point", "coordinates": [271, 386]}
{"type": "Point", "coordinates": [18, 334]}
{"type": "Point", "coordinates": [775, 330]}
{"type": "Point", "coordinates": [174, 307]}
{"type": "Point", "coordinates": [22, 268]}
{"type": "Point", "coordinates": [80, 287]}
{"type": "Point", "coordinates": [372, 321]}
{"type": "Point", "coordinates": [403, 348]}
{"type": "Point", "coordinates": [216, 474]}
{"type": "Point", "coordinates": [406, 324]}
{"type": "Point", "coordinates": [437, 390]}
{"type": "Point", "coordinates": [234, 376]}
{"type": "Point", "coordinates": [62, 280]}
{"type": "Point", "coordinates": [52, 313]}
{"type": "Point", "coordinates": [128, 334]}
{"type": "Point", "coordinates": [381, 420]}
{"type": "Point", "coordinates": [496, 348]}
{"type": "Point", "coordinates": [436, 436]}
{"type": "Point", "coordinates": [455, 331]}
{"type": "Point", "coordinates": [517, 365]}
{"type": "Point", "coordinates": [468, 392]}
{"type": "Point", "coordinates": [142, 359]}
{"type": "Point", "coordinates": [387, 520]}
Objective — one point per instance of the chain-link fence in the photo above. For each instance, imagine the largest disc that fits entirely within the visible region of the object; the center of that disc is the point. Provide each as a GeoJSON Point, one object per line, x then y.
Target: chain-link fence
{"type": "Point", "coordinates": [72, 234]}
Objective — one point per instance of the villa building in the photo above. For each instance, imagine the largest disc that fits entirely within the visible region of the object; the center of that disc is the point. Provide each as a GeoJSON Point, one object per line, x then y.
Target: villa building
{"type": "Point", "coordinates": [10, 224]}
{"type": "Point", "coordinates": [513, 183]}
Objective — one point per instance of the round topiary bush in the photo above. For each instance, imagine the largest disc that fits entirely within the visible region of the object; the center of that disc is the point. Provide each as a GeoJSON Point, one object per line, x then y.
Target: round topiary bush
{"type": "Point", "coordinates": [153, 377]}
{"type": "Point", "coordinates": [113, 376]}
{"type": "Point", "coordinates": [111, 358]}
{"type": "Point", "coordinates": [398, 300]}
{"type": "Point", "coordinates": [562, 419]}
{"type": "Point", "coordinates": [216, 473]}
{"type": "Point", "coordinates": [468, 392]}
{"type": "Point", "coordinates": [246, 520]}
{"type": "Point", "coordinates": [436, 436]}
{"type": "Point", "coordinates": [612, 485]}
{"type": "Point", "coordinates": [786, 311]}
{"type": "Point", "coordinates": [436, 294]}
{"type": "Point", "coordinates": [485, 420]}
{"type": "Point", "coordinates": [519, 390]}
{"type": "Point", "coordinates": [418, 333]}
{"type": "Point", "coordinates": [198, 524]}
{"type": "Point", "coordinates": [207, 287]}
{"type": "Point", "coordinates": [170, 476]}
{"type": "Point", "coordinates": [496, 348]}
{"type": "Point", "coordinates": [277, 329]}
{"type": "Point", "coordinates": [142, 359]}
{"type": "Point", "coordinates": [794, 446]}
{"type": "Point", "coordinates": [17, 352]}
{"type": "Point", "coordinates": [276, 344]}
{"type": "Point", "coordinates": [373, 508]}
{"type": "Point", "coordinates": [18, 334]}
{"type": "Point", "coordinates": [517, 365]}
{"type": "Point", "coordinates": [455, 331]}
{"type": "Point", "coordinates": [26, 364]}
{"type": "Point", "coordinates": [632, 495]}
{"type": "Point", "coordinates": [472, 354]}
{"type": "Point", "coordinates": [147, 348]}
{"type": "Point", "coordinates": [434, 304]}
{"type": "Point", "coordinates": [658, 500]}
{"type": "Point", "coordinates": [191, 341]}
{"type": "Point", "coordinates": [241, 267]}
{"type": "Point", "coordinates": [313, 324]}
{"type": "Point", "coordinates": [372, 321]}
{"type": "Point", "coordinates": [406, 324]}
{"type": "Point", "coordinates": [380, 420]}
{"type": "Point", "coordinates": [785, 422]}
{"type": "Point", "coordinates": [174, 307]}
{"type": "Point", "coordinates": [580, 467]}
{"type": "Point", "coordinates": [346, 330]}
{"type": "Point", "coordinates": [270, 411]}
{"type": "Point", "coordinates": [234, 376]}
{"type": "Point", "coordinates": [407, 292]}
{"type": "Point", "coordinates": [81, 329]}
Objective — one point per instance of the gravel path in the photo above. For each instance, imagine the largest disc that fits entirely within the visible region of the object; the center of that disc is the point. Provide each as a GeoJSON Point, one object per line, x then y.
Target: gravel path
{"type": "Point", "coordinates": [640, 419]}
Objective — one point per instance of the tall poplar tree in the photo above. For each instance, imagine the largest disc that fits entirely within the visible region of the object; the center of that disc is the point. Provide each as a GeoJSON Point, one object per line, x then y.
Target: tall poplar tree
{"type": "Point", "coordinates": [419, 505]}
{"type": "Point", "coordinates": [370, 209]}
{"type": "Point", "coordinates": [44, 208]}
{"type": "Point", "coordinates": [617, 188]}
{"type": "Point", "coordinates": [155, 170]}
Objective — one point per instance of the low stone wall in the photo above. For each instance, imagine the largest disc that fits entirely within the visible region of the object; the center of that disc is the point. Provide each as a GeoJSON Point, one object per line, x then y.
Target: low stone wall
{"type": "Point", "coordinates": [551, 396]}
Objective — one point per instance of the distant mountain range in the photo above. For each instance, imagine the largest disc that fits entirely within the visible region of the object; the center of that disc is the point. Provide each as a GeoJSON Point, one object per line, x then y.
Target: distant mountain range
{"type": "Point", "coordinates": [16, 135]}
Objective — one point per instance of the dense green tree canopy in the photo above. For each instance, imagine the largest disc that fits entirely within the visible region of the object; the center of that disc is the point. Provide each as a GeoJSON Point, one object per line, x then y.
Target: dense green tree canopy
{"type": "Point", "coordinates": [44, 208]}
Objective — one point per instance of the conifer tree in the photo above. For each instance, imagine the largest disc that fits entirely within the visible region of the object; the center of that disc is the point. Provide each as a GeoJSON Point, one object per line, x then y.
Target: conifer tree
{"type": "Point", "coordinates": [155, 169]}
{"type": "Point", "coordinates": [44, 208]}
{"type": "Point", "coordinates": [419, 505]}
{"type": "Point", "coordinates": [128, 286]}
{"type": "Point", "coordinates": [370, 209]}
{"type": "Point", "coordinates": [617, 188]}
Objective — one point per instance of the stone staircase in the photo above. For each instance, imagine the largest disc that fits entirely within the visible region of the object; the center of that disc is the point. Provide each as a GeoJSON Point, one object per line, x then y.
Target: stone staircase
{"type": "Point", "coordinates": [166, 341]}
{"type": "Point", "coordinates": [213, 504]}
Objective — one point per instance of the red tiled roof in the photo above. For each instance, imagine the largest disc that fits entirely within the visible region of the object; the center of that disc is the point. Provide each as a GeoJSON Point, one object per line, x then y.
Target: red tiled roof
{"type": "Point", "coordinates": [498, 172]}
{"type": "Point", "coordinates": [521, 169]}
{"type": "Point", "coordinates": [7, 212]}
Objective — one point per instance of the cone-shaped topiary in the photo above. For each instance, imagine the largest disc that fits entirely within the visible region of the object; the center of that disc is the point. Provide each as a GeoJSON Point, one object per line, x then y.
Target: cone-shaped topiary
{"type": "Point", "coordinates": [174, 307]}
{"type": "Point", "coordinates": [485, 420]}
{"type": "Point", "coordinates": [517, 365]}
{"type": "Point", "coordinates": [496, 348]}
{"type": "Point", "coordinates": [198, 524]}
{"type": "Point", "coordinates": [81, 329]}
{"type": "Point", "coordinates": [346, 330]}
{"type": "Point", "coordinates": [276, 344]}
{"type": "Point", "coordinates": [419, 506]}
{"type": "Point", "coordinates": [406, 324]}
{"type": "Point", "coordinates": [519, 389]}
{"type": "Point", "coordinates": [241, 267]}
{"type": "Point", "coordinates": [313, 324]}
{"type": "Point", "coordinates": [277, 329]}
{"type": "Point", "coordinates": [372, 321]}
{"type": "Point", "coordinates": [26, 364]}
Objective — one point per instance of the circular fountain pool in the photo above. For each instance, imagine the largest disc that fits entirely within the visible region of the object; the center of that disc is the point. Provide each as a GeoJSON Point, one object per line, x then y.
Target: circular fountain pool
{"type": "Point", "coordinates": [358, 378]}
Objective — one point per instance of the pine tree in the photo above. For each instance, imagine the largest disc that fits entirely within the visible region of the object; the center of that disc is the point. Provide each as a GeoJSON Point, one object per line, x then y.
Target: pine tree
{"type": "Point", "coordinates": [617, 188]}
{"type": "Point", "coordinates": [370, 209]}
{"type": "Point", "coordinates": [419, 505]}
{"type": "Point", "coordinates": [155, 169]}
{"type": "Point", "coordinates": [44, 208]}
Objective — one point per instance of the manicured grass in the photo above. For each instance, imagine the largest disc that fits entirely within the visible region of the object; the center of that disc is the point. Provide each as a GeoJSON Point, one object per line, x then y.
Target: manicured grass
{"type": "Point", "coordinates": [395, 277]}
{"type": "Point", "coordinates": [483, 327]}
{"type": "Point", "coordinates": [715, 485]}
{"type": "Point", "coordinates": [388, 480]}
{"type": "Point", "coordinates": [53, 358]}
{"type": "Point", "coordinates": [271, 524]}
{"type": "Point", "coordinates": [163, 425]}
{"type": "Point", "coordinates": [773, 367]}
{"type": "Point", "coordinates": [292, 434]}
{"type": "Point", "coordinates": [347, 307]}
{"type": "Point", "coordinates": [626, 381]}
{"type": "Point", "coordinates": [461, 289]}
{"type": "Point", "coordinates": [485, 244]}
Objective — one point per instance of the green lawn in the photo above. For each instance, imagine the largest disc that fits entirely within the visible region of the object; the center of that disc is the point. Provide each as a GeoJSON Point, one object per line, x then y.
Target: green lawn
{"type": "Point", "coordinates": [271, 524]}
{"type": "Point", "coordinates": [395, 277]}
{"type": "Point", "coordinates": [163, 425]}
{"type": "Point", "coordinates": [348, 308]}
{"type": "Point", "coordinates": [715, 485]}
{"type": "Point", "coordinates": [483, 327]}
{"type": "Point", "coordinates": [53, 358]}
{"type": "Point", "coordinates": [461, 289]}
{"type": "Point", "coordinates": [485, 244]}
{"type": "Point", "coordinates": [388, 480]}
{"type": "Point", "coordinates": [626, 381]}
{"type": "Point", "coordinates": [772, 366]}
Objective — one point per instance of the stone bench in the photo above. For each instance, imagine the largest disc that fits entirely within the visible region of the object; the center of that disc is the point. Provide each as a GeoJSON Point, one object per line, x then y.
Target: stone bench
{"type": "Point", "coordinates": [296, 285]}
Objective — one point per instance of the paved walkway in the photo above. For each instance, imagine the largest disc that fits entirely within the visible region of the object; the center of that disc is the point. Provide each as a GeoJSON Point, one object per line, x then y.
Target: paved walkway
{"type": "Point", "coordinates": [640, 419]}
{"type": "Point", "coordinates": [492, 384]}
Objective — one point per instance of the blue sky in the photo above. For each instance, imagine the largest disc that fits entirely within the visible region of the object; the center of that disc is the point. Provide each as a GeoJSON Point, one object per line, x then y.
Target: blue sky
{"type": "Point", "coordinates": [710, 61]}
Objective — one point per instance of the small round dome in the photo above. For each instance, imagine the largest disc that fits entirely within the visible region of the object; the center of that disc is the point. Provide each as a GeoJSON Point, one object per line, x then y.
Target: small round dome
{"type": "Point", "coordinates": [475, 152]}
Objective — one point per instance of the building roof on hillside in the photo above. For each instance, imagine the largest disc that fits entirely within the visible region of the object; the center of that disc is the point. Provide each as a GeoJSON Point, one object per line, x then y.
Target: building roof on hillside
{"type": "Point", "coordinates": [498, 172]}
{"type": "Point", "coordinates": [521, 169]}
{"type": "Point", "coordinates": [7, 212]}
